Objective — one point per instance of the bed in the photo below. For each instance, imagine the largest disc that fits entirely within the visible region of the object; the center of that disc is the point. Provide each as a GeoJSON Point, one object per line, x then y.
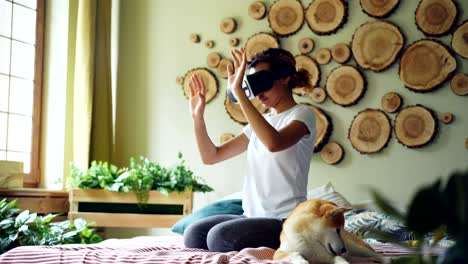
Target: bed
{"type": "Point", "coordinates": [170, 249]}
{"type": "Point", "coordinates": [157, 249]}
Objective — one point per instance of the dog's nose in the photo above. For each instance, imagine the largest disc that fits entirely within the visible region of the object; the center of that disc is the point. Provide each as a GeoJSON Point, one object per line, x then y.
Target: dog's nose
{"type": "Point", "coordinates": [343, 250]}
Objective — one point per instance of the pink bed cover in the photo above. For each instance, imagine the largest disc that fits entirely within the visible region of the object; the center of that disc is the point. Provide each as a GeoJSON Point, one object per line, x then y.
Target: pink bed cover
{"type": "Point", "coordinates": [153, 249]}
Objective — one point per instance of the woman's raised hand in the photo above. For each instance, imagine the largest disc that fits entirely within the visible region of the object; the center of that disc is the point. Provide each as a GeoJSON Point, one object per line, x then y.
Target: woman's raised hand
{"type": "Point", "coordinates": [197, 96]}
{"type": "Point", "coordinates": [236, 75]}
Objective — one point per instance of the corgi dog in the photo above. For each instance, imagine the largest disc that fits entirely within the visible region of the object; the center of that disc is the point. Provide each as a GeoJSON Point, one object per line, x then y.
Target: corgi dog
{"type": "Point", "coordinates": [314, 232]}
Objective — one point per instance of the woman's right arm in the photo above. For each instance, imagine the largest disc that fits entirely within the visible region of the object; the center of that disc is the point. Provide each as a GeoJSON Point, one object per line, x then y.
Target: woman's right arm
{"type": "Point", "coordinates": [212, 154]}
{"type": "Point", "coordinates": [209, 152]}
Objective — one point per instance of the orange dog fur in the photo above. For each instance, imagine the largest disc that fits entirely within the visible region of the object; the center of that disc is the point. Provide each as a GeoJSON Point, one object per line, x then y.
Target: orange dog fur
{"type": "Point", "coordinates": [314, 232]}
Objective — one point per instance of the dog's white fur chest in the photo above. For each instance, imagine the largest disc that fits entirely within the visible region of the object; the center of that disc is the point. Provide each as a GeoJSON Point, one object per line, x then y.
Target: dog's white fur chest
{"type": "Point", "coordinates": [306, 243]}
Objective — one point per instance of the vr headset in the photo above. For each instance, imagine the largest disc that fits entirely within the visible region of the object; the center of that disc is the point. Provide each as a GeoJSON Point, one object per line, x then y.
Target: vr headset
{"type": "Point", "coordinates": [254, 84]}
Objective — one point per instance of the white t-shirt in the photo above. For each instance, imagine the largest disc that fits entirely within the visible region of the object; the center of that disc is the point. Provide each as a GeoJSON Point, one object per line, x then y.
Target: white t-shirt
{"type": "Point", "coordinates": [277, 181]}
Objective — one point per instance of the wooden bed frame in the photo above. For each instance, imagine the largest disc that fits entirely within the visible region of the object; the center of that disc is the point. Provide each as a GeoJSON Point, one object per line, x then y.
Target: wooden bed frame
{"type": "Point", "coordinates": [101, 219]}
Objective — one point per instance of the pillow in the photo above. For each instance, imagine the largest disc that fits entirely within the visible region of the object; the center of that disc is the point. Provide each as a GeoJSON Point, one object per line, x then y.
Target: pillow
{"type": "Point", "coordinates": [233, 206]}
{"type": "Point", "coordinates": [371, 224]}
{"type": "Point", "coordinates": [327, 192]}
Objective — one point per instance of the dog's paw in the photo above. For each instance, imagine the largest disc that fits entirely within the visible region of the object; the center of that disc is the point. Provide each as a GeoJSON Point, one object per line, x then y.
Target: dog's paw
{"type": "Point", "coordinates": [340, 260]}
{"type": "Point", "coordinates": [376, 259]}
{"type": "Point", "coordinates": [296, 258]}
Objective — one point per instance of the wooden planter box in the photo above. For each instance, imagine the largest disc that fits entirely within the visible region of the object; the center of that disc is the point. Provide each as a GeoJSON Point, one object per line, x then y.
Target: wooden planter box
{"type": "Point", "coordinates": [117, 209]}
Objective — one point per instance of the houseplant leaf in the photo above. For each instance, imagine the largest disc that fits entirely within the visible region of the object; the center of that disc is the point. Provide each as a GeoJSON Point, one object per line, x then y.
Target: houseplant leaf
{"type": "Point", "coordinates": [419, 218]}
{"type": "Point", "coordinates": [456, 196]}
{"type": "Point", "coordinates": [385, 205]}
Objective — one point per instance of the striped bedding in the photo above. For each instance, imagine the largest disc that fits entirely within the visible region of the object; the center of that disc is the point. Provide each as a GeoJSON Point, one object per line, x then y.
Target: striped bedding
{"type": "Point", "coordinates": [152, 249]}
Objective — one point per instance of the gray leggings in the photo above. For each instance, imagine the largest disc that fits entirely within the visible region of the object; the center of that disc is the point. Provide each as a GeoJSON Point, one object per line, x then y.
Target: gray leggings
{"type": "Point", "coordinates": [224, 233]}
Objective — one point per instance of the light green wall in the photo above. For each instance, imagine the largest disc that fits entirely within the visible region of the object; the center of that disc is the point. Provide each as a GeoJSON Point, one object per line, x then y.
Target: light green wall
{"type": "Point", "coordinates": [153, 116]}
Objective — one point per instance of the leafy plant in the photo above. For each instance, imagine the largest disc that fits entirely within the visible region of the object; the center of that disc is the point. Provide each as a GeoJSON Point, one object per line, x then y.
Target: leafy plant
{"type": "Point", "coordinates": [30, 229]}
{"type": "Point", "coordinates": [177, 178]}
{"type": "Point", "coordinates": [101, 175]}
{"type": "Point", "coordinates": [139, 177]}
{"type": "Point", "coordinates": [438, 209]}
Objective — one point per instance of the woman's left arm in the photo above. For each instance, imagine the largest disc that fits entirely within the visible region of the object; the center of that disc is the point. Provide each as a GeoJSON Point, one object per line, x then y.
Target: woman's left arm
{"type": "Point", "coordinates": [273, 139]}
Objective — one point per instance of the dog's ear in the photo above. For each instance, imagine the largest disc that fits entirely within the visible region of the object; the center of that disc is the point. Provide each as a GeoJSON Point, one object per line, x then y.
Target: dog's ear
{"type": "Point", "coordinates": [336, 216]}
{"type": "Point", "coordinates": [339, 210]}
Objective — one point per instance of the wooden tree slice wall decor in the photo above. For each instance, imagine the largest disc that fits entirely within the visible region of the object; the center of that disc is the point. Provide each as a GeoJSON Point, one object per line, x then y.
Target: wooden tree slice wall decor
{"type": "Point", "coordinates": [180, 80]}
{"type": "Point", "coordinates": [305, 45]}
{"type": "Point", "coordinates": [258, 43]}
{"type": "Point", "coordinates": [323, 125]}
{"type": "Point", "coordinates": [425, 65]}
{"type": "Point", "coordinates": [234, 42]}
{"type": "Point", "coordinates": [376, 45]}
{"type": "Point", "coordinates": [307, 63]}
{"type": "Point", "coordinates": [257, 10]}
{"type": "Point", "coordinates": [345, 85]}
{"type": "Point", "coordinates": [226, 137]}
{"type": "Point", "coordinates": [459, 84]}
{"type": "Point", "coordinates": [302, 91]}
{"type": "Point", "coordinates": [447, 118]}
{"type": "Point", "coordinates": [286, 17]}
{"type": "Point", "coordinates": [209, 44]}
{"type": "Point", "coordinates": [379, 8]}
{"type": "Point", "coordinates": [435, 17]}
{"type": "Point", "coordinates": [323, 56]}
{"type": "Point", "coordinates": [332, 153]}
{"type": "Point", "coordinates": [235, 112]}
{"type": "Point", "coordinates": [208, 78]}
{"type": "Point", "coordinates": [228, 25]}
{"type": "Point", "coordinates": [415, 126]}
{"type": "Point", "coordinates": [195, 38]}
{"type": "Point", "coordinates": [341, 53]}
{"type": "Point", "coordinates": [318, 95]}
{"type": "Point", "coordinates": [370, 131]}
{"type": "Point", "coordinates": [213, 59]}
{"type": "Point", "coordinates": [391, 102]}
{"type": "Point", "coordinates": [460, 40]}
{"type": "Point", "coordinates": [222, 67]}
{"type": "Point", "coordinates": [326, 16]}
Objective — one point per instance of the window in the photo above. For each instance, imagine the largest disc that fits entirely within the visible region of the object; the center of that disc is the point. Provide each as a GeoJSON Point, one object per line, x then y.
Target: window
{"type": "Point", "coordinates": [21, 53]}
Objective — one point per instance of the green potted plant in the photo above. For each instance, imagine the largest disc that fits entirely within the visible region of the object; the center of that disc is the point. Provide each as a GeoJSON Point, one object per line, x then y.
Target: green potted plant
{"type": "Point", "coordinates": [139, 177]}
{"type": "Point", "coordinates": [161, 195]}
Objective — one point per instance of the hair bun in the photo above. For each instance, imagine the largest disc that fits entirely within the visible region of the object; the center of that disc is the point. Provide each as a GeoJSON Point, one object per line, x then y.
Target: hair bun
{"type": "Point", "coordinates": [300, 79]}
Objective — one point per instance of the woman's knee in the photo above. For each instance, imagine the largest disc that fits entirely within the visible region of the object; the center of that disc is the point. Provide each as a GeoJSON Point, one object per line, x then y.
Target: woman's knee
{"type": "Point", "coordinates": [195, 235]}
{"type": "Point", "coordinates": [238, 234]}
{"type": "Point", "coordinates": [220, 238]}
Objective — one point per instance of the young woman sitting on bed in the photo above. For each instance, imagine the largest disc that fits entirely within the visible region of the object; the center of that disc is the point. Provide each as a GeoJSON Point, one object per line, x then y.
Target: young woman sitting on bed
{"type": "Point", "coordinates": [279, 148]}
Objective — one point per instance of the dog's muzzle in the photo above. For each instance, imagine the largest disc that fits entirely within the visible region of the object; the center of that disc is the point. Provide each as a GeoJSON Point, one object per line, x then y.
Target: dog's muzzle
{"type": "Point", "coordinates": [342, 251]}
